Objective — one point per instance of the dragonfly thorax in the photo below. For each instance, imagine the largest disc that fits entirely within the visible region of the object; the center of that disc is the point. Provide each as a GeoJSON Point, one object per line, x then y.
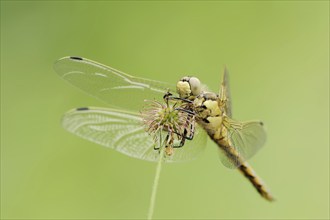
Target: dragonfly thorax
{"type": "Point", "coordinates": [206, 105]}
{"type": "Point", "coordinates": [189, 87]}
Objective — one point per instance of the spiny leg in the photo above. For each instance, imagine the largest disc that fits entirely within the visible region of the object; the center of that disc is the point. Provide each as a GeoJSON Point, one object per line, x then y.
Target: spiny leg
{"type": "Point", "coordinates": [160, 142]}
{"type": "Point", "coordinates": [169, 96]}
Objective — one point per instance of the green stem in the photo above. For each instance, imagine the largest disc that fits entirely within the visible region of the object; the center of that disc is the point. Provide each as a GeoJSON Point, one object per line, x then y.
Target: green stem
{"type": "Point", "coordinates": [155, 185]}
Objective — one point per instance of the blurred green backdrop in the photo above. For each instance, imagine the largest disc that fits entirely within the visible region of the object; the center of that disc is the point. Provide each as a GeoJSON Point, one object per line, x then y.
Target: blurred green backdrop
{"type": "Point", "coordinates": [278, 57]}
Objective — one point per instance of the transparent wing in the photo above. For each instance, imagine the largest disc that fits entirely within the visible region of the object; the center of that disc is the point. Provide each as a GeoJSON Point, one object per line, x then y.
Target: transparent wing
{"type": "Point", "coordinates": [224, 92]}
{"type": "Point", "coordinates": [124, 132]}
{"type": "Point", "coordinates": [244, 141]}
{"type": "Point", "coordinates": [112, 86]}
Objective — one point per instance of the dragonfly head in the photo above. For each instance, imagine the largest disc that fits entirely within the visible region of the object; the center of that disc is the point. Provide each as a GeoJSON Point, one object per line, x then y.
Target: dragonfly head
{"type": "Point", "coordinates": [188, 86]}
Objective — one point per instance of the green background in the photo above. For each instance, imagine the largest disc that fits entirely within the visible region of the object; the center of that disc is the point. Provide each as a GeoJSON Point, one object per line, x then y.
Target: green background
{"type": "Point", "coordinates": [278, 57]}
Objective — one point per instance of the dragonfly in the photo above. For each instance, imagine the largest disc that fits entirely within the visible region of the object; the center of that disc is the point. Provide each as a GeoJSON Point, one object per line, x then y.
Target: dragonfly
{"type": "Point", "coordinates": [121, 126]}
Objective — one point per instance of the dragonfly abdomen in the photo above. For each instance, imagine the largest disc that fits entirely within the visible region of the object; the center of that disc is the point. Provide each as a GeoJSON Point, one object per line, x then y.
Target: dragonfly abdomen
{"type": "Point", "coordinates": [249, 173]}
{"type": "Point", "coordinates": [234, 159]}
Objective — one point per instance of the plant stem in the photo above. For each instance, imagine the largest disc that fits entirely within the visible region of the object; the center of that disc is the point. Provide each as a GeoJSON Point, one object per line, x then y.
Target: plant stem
{"type": "Point", "coordinates": [155, 185]}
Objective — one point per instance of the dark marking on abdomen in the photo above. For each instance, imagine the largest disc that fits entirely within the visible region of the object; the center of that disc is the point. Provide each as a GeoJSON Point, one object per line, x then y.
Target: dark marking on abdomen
{"type": "Point", "coordinates": [256, 182]}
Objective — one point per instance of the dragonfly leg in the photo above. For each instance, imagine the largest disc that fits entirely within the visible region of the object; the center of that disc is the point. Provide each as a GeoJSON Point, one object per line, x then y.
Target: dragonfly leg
{"type": "Point", "coordinates": [185, 133]}
{"type": "Point", "coordinates": [189, 128]}
{"type": "Point", "coordinates": [181, 143]}
{"type": "Point", "coordinates": [169, 96]}
{"type": "Point", "coordinates": [157, 147]}
{"type": "Point", "coordinates": [192, 132]}
{"type": "Point", "coordinates": [185, 136]}
{"type": "Point", "coordinates": [190, 137]}
{"type": "Point", "coordinates": [185, 110]}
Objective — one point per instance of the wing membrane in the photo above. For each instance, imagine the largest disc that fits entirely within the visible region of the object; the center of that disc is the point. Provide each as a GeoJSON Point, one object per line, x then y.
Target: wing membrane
{"type": "Point", "coordinates": [124, 132]}
{"type": "Point", "coordinates": [112, 86]}
{"type": "Point", "coordinates": [224, 92]}
{"type": "Point", "coordinates": [245, 140]}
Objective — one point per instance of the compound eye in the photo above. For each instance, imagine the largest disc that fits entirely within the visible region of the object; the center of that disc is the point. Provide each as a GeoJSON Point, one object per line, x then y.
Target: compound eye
{"type": "Point", "coordinates": [195, 86]}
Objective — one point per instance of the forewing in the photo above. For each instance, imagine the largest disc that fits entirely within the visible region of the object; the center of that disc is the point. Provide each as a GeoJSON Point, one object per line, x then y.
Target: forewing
{"type": "Point", "coordinates": [124, 132]}
{"type": "Point", "coordinates": [245, 139]}
{"type": "Point", "coordinates": [112, 86]}
{"type": "Point", "coordinates": [225, 92]}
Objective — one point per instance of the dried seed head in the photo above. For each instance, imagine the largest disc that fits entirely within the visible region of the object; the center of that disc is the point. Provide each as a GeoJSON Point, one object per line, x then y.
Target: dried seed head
{"type": "Point", "coordinates": [163, 117]}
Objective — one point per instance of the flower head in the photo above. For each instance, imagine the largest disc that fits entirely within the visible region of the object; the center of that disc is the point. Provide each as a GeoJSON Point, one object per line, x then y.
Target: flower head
{"type": "Point", "coordinates": [167, 119]}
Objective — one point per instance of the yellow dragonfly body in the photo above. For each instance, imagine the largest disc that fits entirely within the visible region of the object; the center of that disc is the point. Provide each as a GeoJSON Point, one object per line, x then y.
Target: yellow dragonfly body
{"type": "Point", "coordinates": [237, 141]}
